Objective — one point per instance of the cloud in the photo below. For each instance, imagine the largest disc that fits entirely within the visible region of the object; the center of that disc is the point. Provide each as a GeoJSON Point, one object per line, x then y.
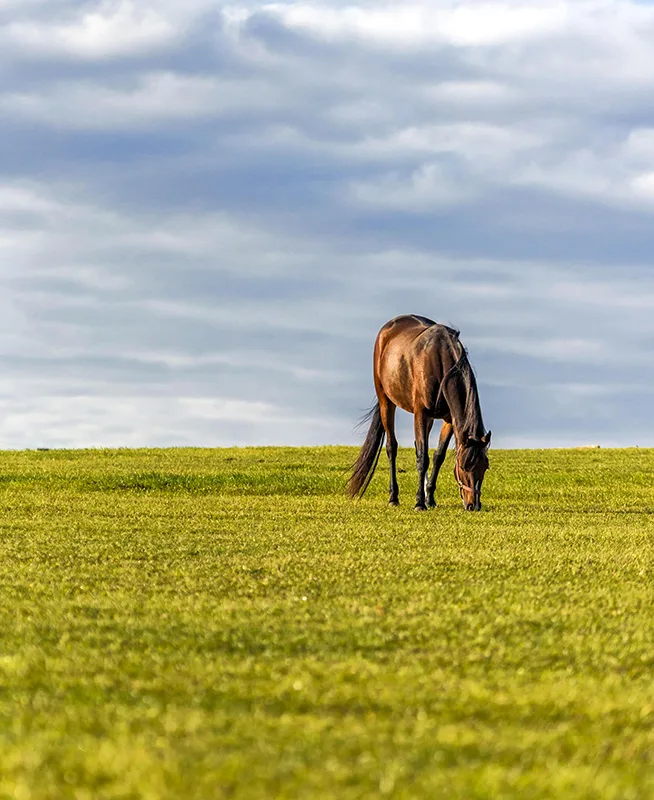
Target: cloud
{"type": "Point", "coordinates": [156, 99]}
{"type": "Point", "coordinates": [110, 29]}
{"type": "Point", "coordinates": [207, 213]}
{"type": "Point", "coordinates": [133, 421]}
{"type": "Point", "coordinates": [96, 35]}
{"type": "Point", "coordinates": [424, 24]}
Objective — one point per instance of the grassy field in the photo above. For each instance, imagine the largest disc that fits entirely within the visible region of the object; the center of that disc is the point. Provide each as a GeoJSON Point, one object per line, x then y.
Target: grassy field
{"type": "Point", "coordinates": [224, 623]}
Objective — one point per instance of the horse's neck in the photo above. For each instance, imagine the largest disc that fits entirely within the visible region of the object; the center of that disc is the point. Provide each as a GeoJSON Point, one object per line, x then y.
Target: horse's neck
{"type": "Point", "coordinates": [463, 400]}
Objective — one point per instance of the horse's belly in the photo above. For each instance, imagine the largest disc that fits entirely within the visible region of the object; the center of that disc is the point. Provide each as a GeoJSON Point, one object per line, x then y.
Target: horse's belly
{"type": "Point", "coordinates": [397, 379]}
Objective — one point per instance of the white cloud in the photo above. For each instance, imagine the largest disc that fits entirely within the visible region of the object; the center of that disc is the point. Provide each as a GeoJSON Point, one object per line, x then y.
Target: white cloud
{"type": "Point", "coordinates": [639, 146]}
{"type": "Point", "coordinates": [108, 30]}
{"type": "Point", "coordinates": [425, 188]}
{"type": "Point", "coordinates": [643, 186]}
{"type": "Point", "coordinates": [249, 360]}
{"type": "Point", "coordinates": [472, 94]}
{"type": "Point", "coordinates": [236, 410]}
{"type": "Point", "coordinates": [412, 24]}
{"type": "Point", "coordinates": [488, 146]}
{"type": "Point", "coordinates": [570, 350]}
{"type": "Point", "coordinates": [608, 294]}
{"type": "Point", "coordinates": [156, 98]}
{"type": "Point", "coordinates": [133, 421]}
{"type": "Point", "coordinates": [68, 232]}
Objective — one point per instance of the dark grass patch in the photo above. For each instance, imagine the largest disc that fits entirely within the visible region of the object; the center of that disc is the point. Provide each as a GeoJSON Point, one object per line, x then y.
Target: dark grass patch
{"type": "Point", "coordinates": [233, 483]}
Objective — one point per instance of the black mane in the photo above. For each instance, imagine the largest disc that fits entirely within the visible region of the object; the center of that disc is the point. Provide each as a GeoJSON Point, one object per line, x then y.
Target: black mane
{"type": "Point", "coordinates": [472, 424]}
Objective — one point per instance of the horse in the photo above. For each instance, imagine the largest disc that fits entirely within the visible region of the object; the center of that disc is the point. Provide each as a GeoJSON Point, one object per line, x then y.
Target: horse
{"type": "Point", "coordinates": [423, 368]}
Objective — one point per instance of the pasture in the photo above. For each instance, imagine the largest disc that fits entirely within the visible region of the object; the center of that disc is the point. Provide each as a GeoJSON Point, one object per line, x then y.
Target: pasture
{"type": "Point", "coordinates": [225, 623]}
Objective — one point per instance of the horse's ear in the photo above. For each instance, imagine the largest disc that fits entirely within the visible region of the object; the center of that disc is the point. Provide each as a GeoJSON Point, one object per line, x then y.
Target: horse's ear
{"type": "Point", "coordinates": [486, 439]}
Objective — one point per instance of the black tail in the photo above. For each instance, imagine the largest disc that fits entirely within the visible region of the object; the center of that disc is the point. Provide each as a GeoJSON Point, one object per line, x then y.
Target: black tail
{"type": "Point", "coordinates": [364, 467]}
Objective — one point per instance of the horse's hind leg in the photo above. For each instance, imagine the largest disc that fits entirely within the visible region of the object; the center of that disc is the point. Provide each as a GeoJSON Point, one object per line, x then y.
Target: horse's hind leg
{"type": "Point", "coordinates": [387, 411]}
{"type": "Point", "coordinates": [439, 456]}
{"type": "Point", "coordinates": [421, 428]}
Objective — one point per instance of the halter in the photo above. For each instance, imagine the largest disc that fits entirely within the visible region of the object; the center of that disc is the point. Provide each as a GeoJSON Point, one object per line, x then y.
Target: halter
{"type": "Point", "coordinates": [477, 487]}
{"type": "Point", "coordinates": [462, 485]}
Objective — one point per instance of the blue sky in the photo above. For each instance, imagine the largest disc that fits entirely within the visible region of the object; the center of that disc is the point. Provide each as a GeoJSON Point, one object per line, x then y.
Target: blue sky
{"type": "Point", "coordinates": [208, 210]}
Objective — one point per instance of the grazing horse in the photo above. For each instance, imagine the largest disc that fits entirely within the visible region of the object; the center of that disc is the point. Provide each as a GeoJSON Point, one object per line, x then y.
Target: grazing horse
{"type": "Point", "coordinates": [423, 368]}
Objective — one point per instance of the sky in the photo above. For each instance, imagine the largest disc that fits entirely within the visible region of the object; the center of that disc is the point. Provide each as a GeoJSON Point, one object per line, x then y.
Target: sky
{"type": "Point", "coordinates": [207, 211]}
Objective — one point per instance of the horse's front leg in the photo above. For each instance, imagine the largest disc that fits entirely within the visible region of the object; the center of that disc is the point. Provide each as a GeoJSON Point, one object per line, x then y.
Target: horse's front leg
{"type": "Point", "coordinates": [439, 456]}
{"type": "Point", "coordinates": [421, 429]}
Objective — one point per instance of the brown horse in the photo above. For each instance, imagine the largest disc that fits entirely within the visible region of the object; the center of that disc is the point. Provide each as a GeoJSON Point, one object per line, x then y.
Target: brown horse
{"type": "Point", "coordinates": [423, 368]}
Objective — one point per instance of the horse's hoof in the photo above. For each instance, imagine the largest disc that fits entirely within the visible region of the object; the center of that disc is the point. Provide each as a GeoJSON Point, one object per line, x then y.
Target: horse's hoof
{"type": "Point", "coordinates": [420, 507]}
{"type": "Point", "coordinates": [393, 503]}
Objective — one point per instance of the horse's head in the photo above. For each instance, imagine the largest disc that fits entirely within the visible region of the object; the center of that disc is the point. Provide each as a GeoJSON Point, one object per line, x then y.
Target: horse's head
{"type": "Point", "coordinates": [470, 467]}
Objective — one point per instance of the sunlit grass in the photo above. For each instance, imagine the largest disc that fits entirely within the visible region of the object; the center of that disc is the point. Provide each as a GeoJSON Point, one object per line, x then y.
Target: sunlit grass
{"type": "Point", "coordinates": [224, 623]}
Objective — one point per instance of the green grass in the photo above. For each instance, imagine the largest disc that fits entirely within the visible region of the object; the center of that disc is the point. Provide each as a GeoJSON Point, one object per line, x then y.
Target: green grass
{"type": "Point", "coordinates": [224, 623]}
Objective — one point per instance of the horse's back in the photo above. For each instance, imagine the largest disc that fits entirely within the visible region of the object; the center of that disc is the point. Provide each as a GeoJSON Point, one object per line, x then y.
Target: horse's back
{"type": "Point", "coordinates": [406, 322]}
{"type": "Point", "coordinates": [409, 328]}
{"type": "Point", "coordinates": [407, 357]}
